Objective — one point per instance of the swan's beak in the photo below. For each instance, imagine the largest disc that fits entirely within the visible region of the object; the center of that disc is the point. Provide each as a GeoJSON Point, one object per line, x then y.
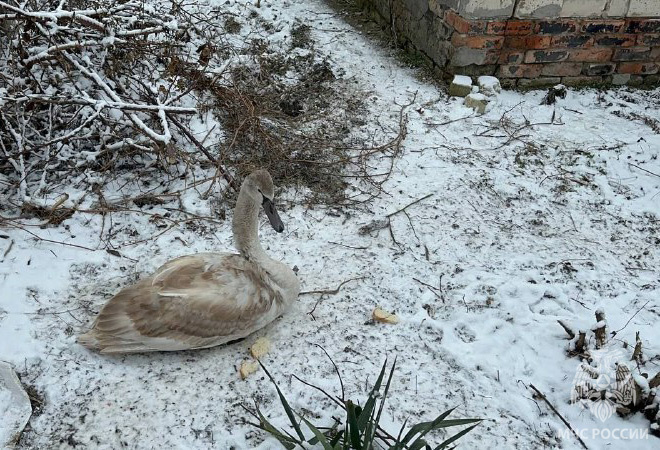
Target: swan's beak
{"type": "Point", "coordinates": [271, 212]}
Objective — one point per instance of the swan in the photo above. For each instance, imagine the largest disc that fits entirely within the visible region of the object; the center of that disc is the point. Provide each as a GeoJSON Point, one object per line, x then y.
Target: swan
{"type": "Point", "coordinates": [205, 299]}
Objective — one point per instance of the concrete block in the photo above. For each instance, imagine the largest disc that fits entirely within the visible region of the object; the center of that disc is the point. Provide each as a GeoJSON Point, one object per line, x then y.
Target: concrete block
{"type": "Point", "coordinates": [489, 85]}
{"type": "Point", "coordinates": [583, 8]}
{"type": "Point", "coordinates": [616, 8]}
{"type": "Point", "coordinates": [464, 56]}
{"type": "Point", "coordinates": [478, 102]}
{"type": "Point", "coordinates": [486, 9]}
{"type": "Point", "coordinates": [644, 8]}
{"type": "Point", "coordinates": [461, 86]}
{"type": "Point", "coordinates": [539, 8]}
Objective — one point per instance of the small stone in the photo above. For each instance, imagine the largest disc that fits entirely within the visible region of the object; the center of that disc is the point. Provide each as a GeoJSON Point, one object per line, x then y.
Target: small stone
{"type": "Point", "coordinates": [478, 102]}
{"type": "Point", "coordinates": [380, 315]}
{"type": "Point", "coordinates": [489, 85]}
{"type": "Point", "coordinates": [460, 86]}
{"type": "Point", "coordinates": [260, 348]}
{"type": "Point", "coordinates": [248, 368]}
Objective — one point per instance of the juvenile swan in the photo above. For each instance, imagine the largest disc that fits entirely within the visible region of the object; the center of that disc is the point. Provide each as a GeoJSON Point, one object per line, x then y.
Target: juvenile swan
{"type": "Point", "coordinates": [207, 299]}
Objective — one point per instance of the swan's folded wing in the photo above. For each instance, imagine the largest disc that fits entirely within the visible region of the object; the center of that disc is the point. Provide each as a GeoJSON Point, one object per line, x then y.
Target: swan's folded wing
{"type": "Point", "coordinates": [191, 301]}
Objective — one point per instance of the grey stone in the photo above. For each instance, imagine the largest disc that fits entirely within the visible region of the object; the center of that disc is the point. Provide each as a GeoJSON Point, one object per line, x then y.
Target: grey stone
{"type": "Point", "coordinates": [478, 102]}
{"type": "Point", "coordinates": [464, 56]}
{"type": "Point", "coordinates": [486, 9]}
{"type": "Point", "coordinates": [16, 411]}
{"type": "Point", "coordinates": [460, 86]}
{"type": "Point", "coordinates": [538, 8]}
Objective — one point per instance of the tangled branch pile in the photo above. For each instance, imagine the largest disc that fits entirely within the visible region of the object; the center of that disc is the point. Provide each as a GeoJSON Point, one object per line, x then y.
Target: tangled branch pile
{"type": "Point", "coordinates": [94, 91]}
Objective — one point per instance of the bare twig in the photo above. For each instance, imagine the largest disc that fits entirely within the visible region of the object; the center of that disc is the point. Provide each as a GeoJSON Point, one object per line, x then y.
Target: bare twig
{"type": "Point", "coordinates": [545, 399]}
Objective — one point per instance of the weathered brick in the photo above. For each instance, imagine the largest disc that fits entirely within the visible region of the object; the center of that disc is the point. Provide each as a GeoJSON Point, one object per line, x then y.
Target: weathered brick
{"type": "Point", "coordinates": [598, 69]}
{"type": "Point", "coordinates": [556, 26]}
{"type": "Point", "coordinates": [508, 83]}
{"type": "Point", "coordinates": [538, 42]}
{"type": "Point", "coordinates": [655, 54]}
{"type": "Point", "coordinates": [464, 26]}
{"type": "Point", "coordinates": [518, 27]}
{"type": "Point", "coordinates": [643, 26]}
{"type": "Point", "coordinates": [632, 54]}
{"type": "Point", "coordinates": [591, 55]}
{"type": "Point", "coordinates": [520, 71]}
{"type": "Point", "coordinates": [615, 40]}
{"type": "Point", "coordinates": [518, 42]}
{"type": "Point", "coordinates": [564, 69]}
{"type": "Point", "coordinates": [572, 41]}
{"type": "Point", "coordinates": [496, 27]}
{"type": "Point", "coordinates": [637, 68]}
{"type": "Point", "coordinates": [487, 42]}
{"type": "Point", "coordinates": [527, 42]}
{"type": "Point", "coordinates": [582, 81]}
{"type": "Point", "coordinates": [511, 57]}
{"type": "Point", "coordinates": [603, 26]}
{"type": "Point", "coordinates": [538, 82]}
{"type": "Point", "coordinates": [651, 40]}
{"type": "Point", "coordinates": [543, 56]}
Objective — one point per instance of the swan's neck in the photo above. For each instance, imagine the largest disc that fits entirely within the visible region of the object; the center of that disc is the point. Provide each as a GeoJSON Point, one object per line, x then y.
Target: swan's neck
{"type": "Point", "coordinates": [246, 226]}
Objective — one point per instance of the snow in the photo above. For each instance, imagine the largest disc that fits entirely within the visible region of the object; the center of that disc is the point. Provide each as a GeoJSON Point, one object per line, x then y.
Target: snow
{"type": "Point", "coordinates": [489, 85]}
{"type": "Point", "coordinates": [537, 213]}
{"type": "Point", "coordinates": [462, 80]}
{"type": "Point", "coordinates": [15, 408]}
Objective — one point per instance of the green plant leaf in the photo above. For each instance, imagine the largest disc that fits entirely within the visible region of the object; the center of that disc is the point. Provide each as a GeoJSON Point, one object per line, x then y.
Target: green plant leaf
{"type": "Point", "coordinates": [455, 437]}
{"type": "Point", "coordinates": [285, 404]}
{"type": "Point", "coordinates": [286, 441]}
{"type": "Point", "coordinates": [353, 427]}
{"type": "Point", "coordinates": [371, 400]}
{"type": "Point", "coordinates": [320, 437]}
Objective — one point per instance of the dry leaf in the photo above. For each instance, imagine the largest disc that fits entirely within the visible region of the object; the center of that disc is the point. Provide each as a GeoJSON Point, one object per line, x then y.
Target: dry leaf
{"type": "Point", "coordinates": [248, 368]}
{"type": "Point", "coordinates": [260, 347]}
{"type": "Point", "coordinates": [383, 316]}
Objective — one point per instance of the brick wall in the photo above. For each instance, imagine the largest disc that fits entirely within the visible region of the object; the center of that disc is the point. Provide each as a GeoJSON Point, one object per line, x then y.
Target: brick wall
{"type": "Point", "coordinates": [528, 52]}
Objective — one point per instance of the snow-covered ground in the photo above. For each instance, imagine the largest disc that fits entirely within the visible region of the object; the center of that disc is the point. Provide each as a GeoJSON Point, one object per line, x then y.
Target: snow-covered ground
{"type": "Point", "coordinates": [534, 214]}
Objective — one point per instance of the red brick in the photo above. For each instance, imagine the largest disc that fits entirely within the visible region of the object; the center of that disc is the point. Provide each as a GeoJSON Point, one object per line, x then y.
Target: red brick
{"type": "Point", "coordinates": [462, 25]}
{"type": "Point", "coordinates": [561, 69]}
{"type": "Point", "coordinates": [615, 40]}
{"type": "Point", "coordinates": [511, 57]}
{"type": "Point", "coordinates": [488, 42]}
{"type": "Point", "coordinates": [632, 54]}
{"type": "Point", "coordinates": [544, 56]}
{"type": "Point", "coordinates": [496, 27]}
{"type": "Point", "coordinates": [536, 41]}
{"type": "Point", "coordinates": [603, 26]}
{"type": "Point", "coordinates": [518, 42]}
{"type": "Point", "coordinates": [520, 71]}
{"type": "Point", "coordinates": [591, 55]}
{"type": "Point", "coordinates": [572, 40]}
{"type": "Point", "coordinates": [518, 27]}
{"type": "Point", "coordinates": [527, 42]}
{"type": "Point", "coordinates": [556, 27]}
{"type": "Point", "coordinates": [643, 26]}
{"type": "Point", "coordinates": [648, 39]}
{"type": "Point", "coordinates": [638, 68]}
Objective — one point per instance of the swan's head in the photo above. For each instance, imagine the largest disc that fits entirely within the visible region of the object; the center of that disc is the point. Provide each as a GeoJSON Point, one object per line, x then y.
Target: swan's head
{"type": "Point", "coordinates": [259, 185]}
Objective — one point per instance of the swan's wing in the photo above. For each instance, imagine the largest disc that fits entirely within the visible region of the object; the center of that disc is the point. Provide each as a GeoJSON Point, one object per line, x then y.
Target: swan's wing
{"type": "Point", "coordinates": [190, 302]}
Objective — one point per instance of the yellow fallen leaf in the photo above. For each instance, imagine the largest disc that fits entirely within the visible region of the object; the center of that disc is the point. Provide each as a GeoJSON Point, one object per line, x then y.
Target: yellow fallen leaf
{"type": "Point", "coordinates": [260, 347]}
{"type": "Point", "coordinates": [248, 368]}
{"type": "Point", "coordinates": [383, 316]}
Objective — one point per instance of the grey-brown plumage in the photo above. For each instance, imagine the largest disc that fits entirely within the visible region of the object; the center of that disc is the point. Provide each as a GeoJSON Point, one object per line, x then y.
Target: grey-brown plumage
{"type": "Point", "coordinates": [206, 299]}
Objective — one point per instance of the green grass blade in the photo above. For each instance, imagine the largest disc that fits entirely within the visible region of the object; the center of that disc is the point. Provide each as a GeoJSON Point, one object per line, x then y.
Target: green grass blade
{"type": "Point", "coordinates": [320, 437]}
{"type": "Point", "coordinates": [353, 428]}
{"type": "Point", "coordinates": [286, 441]}
{"type": "Point", "coordinates": [371, 400]}
{"type": "Point", "coordinates": [420, 427]}
{"type": "Point", "coordinates": [455, 437]}
{"type": "Point", "coordinates": [285, 404]}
